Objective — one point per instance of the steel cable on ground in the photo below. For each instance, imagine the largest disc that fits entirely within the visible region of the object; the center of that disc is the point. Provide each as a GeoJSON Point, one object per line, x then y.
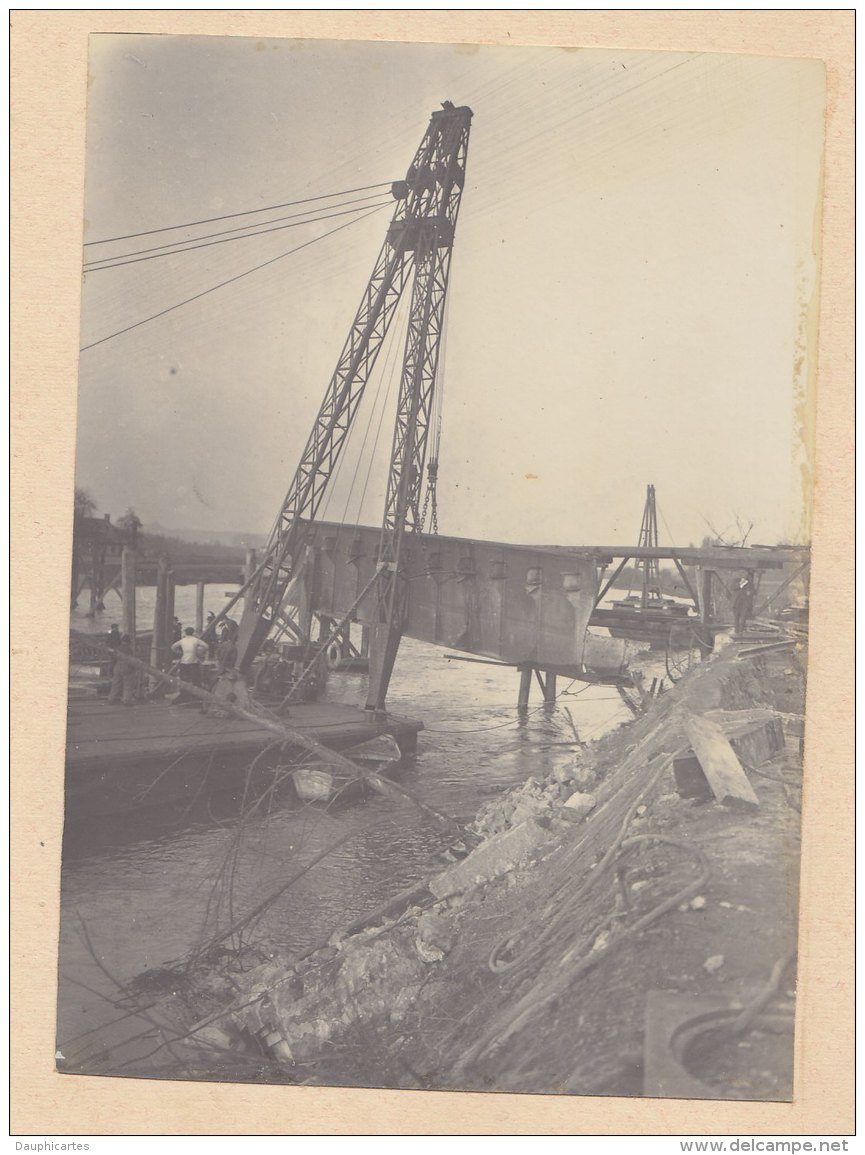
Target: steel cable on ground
{"type": "Point", "coordinates": [246, 212]}
{"type": "Point", "coordinates": [158, 251]}
{"type": "Point", "coordinates": [527, 1008]}
{"type": "Point", "coordinates": [229, 281]}
{"type": "Point", "coordinates": [541, 936]}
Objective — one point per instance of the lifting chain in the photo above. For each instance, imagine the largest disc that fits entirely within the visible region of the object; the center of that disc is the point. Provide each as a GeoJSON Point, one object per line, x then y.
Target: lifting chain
{"type": "Point", "coordinates": [429, 501]}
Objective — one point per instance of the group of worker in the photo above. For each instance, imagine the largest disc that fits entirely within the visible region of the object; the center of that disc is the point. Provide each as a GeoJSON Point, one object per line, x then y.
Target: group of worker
{"type": "Point", "coordinates": [192, 651]}
{"type": "Point", "coordinates": [188, 648]}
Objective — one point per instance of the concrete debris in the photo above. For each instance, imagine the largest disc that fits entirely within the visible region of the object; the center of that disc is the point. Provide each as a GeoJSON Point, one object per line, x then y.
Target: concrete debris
{"type": "Point", "coordinates": [722, 768]}
{"type": "Point", "coordinates": [579, 802]}
{"type": "Point", "coordinates": [497, 856]}
{"type": "Point", "coordinates": [601, 941]}
{"type": "Point", "coordinates": [377, 980]}
{"type": "Point", "coordinates": [698, 903]}
{"type": "Point", "coordinates": [428, 952]}
{"type": "Point", "coordinates": [575, 774]}
{"type": "Point", "coordinates": [713, 963]}
{"type": "Point", "coordinates": [531, 800]}
{"type": "Point", "coordinates": [435, 936]}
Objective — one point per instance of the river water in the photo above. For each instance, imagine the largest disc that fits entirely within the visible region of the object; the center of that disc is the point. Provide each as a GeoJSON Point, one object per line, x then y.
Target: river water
{"type": "Point", "coordinates": [139, 893]}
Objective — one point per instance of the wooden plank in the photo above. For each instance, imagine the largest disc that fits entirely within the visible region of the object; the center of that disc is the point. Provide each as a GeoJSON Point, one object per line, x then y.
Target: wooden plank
{"type": "Point", "coordinates": [722, 768]}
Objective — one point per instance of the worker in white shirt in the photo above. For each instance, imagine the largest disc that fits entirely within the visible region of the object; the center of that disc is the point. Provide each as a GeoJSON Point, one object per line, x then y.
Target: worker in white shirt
{"type": "Point", "coordinates": [191, 650]}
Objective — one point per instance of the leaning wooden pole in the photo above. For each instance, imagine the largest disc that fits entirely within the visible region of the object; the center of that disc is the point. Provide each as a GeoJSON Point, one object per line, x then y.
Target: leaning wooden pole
{"type": "Point", "coordinates": [705, 612]}
{"type": "Point", "coordinates": [295, 738]}
{"type": "Point", "coordinates": [127, 593]}
{"type": "Point", "coordinates": [199, 608]}
{"type": "Point", "coordinates": [249, 569]}
{"type": "Point", "coordinates": [161, 621]}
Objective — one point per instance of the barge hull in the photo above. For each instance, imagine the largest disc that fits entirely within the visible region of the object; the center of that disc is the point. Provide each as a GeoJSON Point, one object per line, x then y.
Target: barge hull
{"type": "Point", "coordinates": [120, 759]}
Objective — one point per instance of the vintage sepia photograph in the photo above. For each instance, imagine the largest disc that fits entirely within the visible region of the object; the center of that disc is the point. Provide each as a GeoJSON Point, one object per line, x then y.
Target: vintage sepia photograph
{"type": "Point", "coordinates": [439, 600]}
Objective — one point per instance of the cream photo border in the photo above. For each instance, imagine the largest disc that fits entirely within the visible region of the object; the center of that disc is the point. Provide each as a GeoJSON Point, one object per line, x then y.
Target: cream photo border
{"type": "Point", "coordinates": [49, 87]}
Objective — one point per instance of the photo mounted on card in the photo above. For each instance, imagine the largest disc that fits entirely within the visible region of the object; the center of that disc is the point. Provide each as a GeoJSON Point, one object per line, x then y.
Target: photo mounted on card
{"type": "Point", "coordinates": [439, 598]}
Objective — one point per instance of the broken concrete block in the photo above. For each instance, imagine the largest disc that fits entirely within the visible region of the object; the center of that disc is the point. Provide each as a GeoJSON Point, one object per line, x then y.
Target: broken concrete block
{"type": "Point", "coordinates": [428, 953]}
{"type": "Point", "coordinates": [698, 903]}
{"type": "Point", "coordinates": [493, 858]}
{"type": "Point", "coordinates": [563, 774]}
{"type": "Point", "coordinates": [580, 802]}
{"type": "Point", "coordinates": [601, 942]}
{"type": "Point", "coordinates": [435, 932]}
{"type": "Point", "coordinates": [720, 764]}
{"type": "Point", "coordinates": [529, 807]}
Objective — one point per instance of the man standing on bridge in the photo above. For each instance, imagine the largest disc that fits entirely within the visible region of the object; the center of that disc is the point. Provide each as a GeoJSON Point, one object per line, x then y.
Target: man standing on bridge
{"type": "Point", "coordinates": [191, 650]}
{"type": "Point", "coordinates": [743, 605]}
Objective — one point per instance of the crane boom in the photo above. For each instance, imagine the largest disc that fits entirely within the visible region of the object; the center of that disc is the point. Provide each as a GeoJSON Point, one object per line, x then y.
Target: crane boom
{"type": "Point", "coordinates": [414, 407]}
{"type": "Point", "coordinates": [419, 239]}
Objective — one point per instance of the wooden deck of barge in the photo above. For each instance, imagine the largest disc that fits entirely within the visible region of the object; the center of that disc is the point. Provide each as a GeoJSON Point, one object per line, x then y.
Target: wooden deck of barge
{"type": "Point", "coordinates": [158, 753]}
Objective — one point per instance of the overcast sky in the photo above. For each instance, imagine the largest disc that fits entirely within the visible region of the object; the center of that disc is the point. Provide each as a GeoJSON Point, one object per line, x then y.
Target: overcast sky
{"type": "Point", "coordinates": [633, 264]}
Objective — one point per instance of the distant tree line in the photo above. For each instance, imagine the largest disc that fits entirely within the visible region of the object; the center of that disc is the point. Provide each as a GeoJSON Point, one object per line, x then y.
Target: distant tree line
{"type": "Point", "coordinates": [155, 545]}
{"type": "Point", "coordinates": [152, 546]}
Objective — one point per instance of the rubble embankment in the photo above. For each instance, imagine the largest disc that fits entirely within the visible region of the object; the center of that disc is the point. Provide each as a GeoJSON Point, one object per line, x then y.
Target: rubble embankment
{"type": "Point", "coordinates": [602, 906]}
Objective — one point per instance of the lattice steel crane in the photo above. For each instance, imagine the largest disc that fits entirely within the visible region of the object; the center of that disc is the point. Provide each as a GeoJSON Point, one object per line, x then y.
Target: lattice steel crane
{"type": "Point", "coordinates": [417, 248]}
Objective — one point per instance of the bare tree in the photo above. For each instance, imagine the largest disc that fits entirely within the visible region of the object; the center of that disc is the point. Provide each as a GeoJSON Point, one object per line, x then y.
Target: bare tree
{"type": "Point", "coordinates": [85, 505]}
{"type": "Point", "coordinates": [131, 522]}
{"type": "Point", "coordinates": [734, 536]}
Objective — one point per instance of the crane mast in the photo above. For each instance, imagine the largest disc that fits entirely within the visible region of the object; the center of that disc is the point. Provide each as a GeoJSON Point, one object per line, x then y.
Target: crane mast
{"type": "Point", "coordinates": [419, 241]}
{"type": "Point", "coordinates": [433, 249]}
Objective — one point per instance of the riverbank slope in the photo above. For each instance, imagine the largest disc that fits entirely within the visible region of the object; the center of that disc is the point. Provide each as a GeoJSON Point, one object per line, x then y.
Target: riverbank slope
{"type": "Point", "coordinates": [602, 908]}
